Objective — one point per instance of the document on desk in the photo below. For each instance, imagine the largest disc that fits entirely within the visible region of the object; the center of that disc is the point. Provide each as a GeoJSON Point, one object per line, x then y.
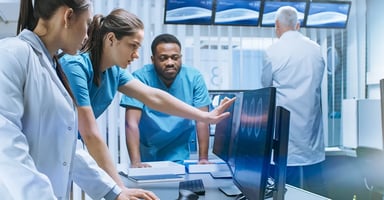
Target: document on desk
{"type": "Point", "coordinates": [158, 168]}
{"type": "Point", "coordinates": [192, 166]}
{"type": "Point", "coordinates": [156, 178]}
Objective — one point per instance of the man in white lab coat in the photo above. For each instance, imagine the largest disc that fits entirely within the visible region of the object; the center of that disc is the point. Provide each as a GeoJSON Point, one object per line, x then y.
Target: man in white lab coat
{"type": "Point", "coordinates": [295, 66]}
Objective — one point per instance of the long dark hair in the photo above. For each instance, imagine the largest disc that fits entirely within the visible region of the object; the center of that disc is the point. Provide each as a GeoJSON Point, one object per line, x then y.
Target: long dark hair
{"type": "Point", "coordinates": [45, 9]}
{"type": "Point", "coordinates": [120, 22]}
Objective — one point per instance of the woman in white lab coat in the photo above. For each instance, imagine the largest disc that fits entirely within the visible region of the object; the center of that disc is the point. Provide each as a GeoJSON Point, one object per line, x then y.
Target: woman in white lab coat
{"type": "Point", "coordinates": [39, 156]}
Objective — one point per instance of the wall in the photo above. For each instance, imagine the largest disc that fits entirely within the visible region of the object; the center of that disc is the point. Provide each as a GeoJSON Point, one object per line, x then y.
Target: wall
{"type": "Point", "coordinates": [375, 47]}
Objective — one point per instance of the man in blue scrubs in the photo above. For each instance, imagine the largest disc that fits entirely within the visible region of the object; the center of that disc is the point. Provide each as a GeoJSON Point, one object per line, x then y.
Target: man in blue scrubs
{"type": "Point", "coordinates": [156, 136]}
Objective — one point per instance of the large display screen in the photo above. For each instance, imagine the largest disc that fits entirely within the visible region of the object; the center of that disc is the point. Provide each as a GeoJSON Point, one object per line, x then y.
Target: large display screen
{"type": "Point", "coordinates": [331, 14]}
{"type": "Point", "coordinates": [254, 142]}
{"type": "Point", "coordinates": [188, 12]}
{"type": "Point", "coordinates": [270, 8]}
{"type": "Point", "coordinates": [237, 13]}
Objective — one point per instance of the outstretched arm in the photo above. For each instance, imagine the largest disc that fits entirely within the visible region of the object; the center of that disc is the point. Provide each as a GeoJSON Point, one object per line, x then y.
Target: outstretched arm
{"type": "Point", "coordinates": [202, 129]}
{"type": "Point", "coordinates": [164, 102]}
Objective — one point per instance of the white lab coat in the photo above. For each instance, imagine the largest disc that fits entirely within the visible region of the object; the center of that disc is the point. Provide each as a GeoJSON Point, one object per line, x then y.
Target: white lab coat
{"type": "Point", "coordinates": [295, 66]}
{"type": "Point", "coordinates": [39, 151]}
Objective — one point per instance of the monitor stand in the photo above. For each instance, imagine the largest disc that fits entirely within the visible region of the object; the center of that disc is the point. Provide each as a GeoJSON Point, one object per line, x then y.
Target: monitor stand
{"type": "Point", "coordinates": [230, 190]}
{"type": "Point", "coordinates": [241, 197]}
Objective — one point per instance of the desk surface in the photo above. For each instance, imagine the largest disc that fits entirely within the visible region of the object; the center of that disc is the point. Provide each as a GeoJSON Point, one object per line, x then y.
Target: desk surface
{"type": "Point", "coordinates": [169, 190]}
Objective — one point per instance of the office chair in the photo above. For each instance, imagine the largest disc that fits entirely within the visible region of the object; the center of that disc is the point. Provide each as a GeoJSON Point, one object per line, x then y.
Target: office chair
{"type": "Point", "coordinates": [371, 161]}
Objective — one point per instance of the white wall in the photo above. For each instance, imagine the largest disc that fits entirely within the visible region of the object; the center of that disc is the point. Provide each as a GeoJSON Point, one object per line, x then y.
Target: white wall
{"type": "Point", "coordinates": [375, 47]}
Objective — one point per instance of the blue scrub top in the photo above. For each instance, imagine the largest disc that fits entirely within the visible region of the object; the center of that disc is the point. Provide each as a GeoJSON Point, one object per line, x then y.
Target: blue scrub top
{"type": "Point", "coordinates": [79, 71]}
{"type": "Point", "coordinates": [162, 136]}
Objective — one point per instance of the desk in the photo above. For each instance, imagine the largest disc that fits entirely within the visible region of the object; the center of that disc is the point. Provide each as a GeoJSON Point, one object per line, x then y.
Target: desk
{"type": "Point", "coordinates": [169, 190]}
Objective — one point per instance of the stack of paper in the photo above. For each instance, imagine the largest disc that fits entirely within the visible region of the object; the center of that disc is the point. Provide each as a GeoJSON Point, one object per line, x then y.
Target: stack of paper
{"type": "Point", "coordinates": [192, 166]}
{"type": "Point", "coordinates": [158, 168]}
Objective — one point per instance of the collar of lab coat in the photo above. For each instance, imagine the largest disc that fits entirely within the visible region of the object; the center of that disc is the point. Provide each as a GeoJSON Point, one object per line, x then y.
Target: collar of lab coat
{"type": "Point", "coordinates": [45, 58]}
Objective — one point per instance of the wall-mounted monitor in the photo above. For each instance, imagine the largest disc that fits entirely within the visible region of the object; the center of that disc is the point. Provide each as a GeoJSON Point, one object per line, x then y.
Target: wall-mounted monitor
{"type": "Point", "coordinates": [270, 8]}
{"type": "Point", "coordinates": [188, 12]}
{"type": "Point", "coordinates": [237, 13]}
{"type": "Point", "coordinates": [330, 14]}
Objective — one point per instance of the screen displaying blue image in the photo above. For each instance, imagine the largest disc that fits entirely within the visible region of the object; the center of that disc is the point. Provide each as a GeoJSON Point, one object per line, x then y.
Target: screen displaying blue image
{"type": "Point", "coordinates": [188, 12]}
{"type": "Point", "coordinates": [254, 142]}
{"type": "Point", "coordinates": [328, 14]}
{"type": "Point", "coordinates": [238, 13]}
{"type": "Point", "coordinates": [270, 8]}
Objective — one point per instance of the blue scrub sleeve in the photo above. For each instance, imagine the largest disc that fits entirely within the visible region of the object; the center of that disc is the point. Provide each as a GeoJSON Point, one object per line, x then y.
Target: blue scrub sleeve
{"type": "Point", "coordinates": [201, 96]}
{"type": "Point", "coordinates": [74, 69]}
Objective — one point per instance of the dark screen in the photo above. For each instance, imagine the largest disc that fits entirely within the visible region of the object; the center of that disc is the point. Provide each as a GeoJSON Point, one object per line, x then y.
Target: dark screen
{"type": "Point", "coordinates": [254, 142]}
{"type": "Point", "coordinates": [188, 12]}
{"type": "Point", "coordinates": [280, 150]}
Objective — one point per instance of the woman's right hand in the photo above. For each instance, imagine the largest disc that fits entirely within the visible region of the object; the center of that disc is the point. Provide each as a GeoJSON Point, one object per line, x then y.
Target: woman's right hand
{"type": "Point", "coordinates": [218, 114]}
{"type": "Point", "coordinates": [136, 194]}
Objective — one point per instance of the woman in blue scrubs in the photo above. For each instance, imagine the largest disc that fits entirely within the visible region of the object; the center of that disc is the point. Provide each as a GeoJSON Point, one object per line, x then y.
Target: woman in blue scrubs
{"type": "Point", "coordinates": [99, 72]}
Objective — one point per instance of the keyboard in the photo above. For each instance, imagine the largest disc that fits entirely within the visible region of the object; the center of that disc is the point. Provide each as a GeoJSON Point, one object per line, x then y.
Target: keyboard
{"type": "Point", "coordinates": [195, 186]}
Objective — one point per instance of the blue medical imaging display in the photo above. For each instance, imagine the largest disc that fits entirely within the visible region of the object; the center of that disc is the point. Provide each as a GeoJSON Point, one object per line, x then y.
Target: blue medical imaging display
{"type": "Point", "coordinates": [254, 142]}
{"type": "Point", "coordinates": [270, 8]}
{"type": "Point", "coordinates": [224, 143]}
{"type": "Point", "coordinates": [332, 14]}
{"type": "Point", "coordinates": [188, 12]}
{"type": "Point", "coordinates": [237, 13]}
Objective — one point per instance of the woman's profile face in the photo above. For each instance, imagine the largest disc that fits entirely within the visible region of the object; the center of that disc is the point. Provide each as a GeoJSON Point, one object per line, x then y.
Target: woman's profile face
{"type": "Point", "coordinates": [77, 32]}
{"type": "Point", "coordinates": [127, 49]}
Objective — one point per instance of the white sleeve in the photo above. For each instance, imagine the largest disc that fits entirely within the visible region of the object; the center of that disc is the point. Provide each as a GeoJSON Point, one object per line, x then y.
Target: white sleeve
{"type": "Point", "coordinates": [89, 176]}
{"type": "Point", "coordinates": [19, 177]}
{"type": "Point", "coordinates": [266, 72]}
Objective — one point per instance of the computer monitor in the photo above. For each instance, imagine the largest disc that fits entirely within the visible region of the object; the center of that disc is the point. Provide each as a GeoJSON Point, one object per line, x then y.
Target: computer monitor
{"type": "Point", "coordinates": [237, 13]}
{"type": "Point", "coordinates": [328, 14]}
{"type": "Point", "coordinates": [224, 144]}
{"type": "Point", "coordinates": [280, 151]}
{"type": "Point", "coordinates": [188, 12]}
{"type": "Point", "coordinates": [254, 142]}
{"type": "Point", "coordinates": [382, 110]}
{"type": "Point", "coordinates": [270, 8]}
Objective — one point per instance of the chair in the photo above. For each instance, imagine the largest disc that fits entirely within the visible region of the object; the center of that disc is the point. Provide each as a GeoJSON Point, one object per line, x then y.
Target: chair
{"type": "Point", "coordinates": [371, 161]}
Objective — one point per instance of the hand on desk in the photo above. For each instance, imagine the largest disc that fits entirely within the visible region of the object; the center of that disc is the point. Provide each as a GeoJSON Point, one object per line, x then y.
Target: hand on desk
{"type": "Point", "coordinates": [135, 194]}
{"type": "Point", "coordinates": [140, 165]}
{"type": "Point", "coordinates": [204, 161]}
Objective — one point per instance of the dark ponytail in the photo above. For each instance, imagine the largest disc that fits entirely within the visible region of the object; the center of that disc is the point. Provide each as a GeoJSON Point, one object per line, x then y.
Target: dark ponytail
{"type": "Point", "coordinates": [45, 9]}
{"type": "Point", "coordinates": [121, 23]}
{"type": "Point", "coordinates": [26, 17]}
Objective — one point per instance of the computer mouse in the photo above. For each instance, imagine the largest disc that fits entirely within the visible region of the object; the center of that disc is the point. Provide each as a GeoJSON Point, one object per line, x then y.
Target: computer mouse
{"type": "Point", "coordinates": [187, 195]}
